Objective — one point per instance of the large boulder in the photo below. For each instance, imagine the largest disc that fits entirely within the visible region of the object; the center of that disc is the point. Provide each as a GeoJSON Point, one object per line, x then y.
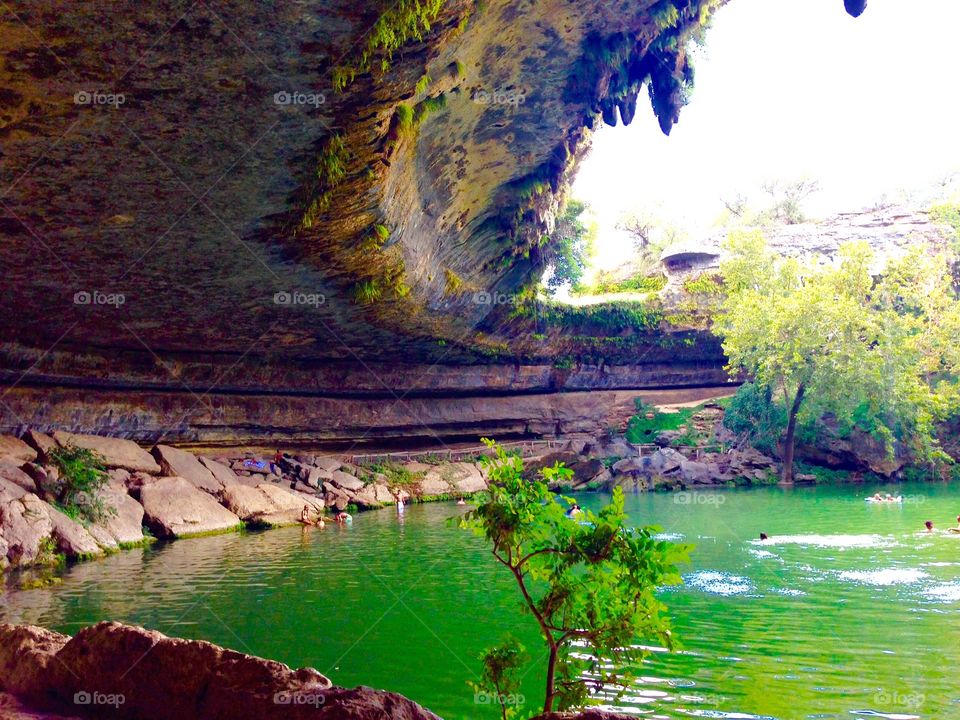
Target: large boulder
{"type": "Point", "coordinates": [40, 442]}
{"type": "Point", "coordinates": [374, 495]}
{"type": "Point", "coordinates": [334, 497]}
{"type": "Point", "coordinates": [221, 473]}
{"type": "Point", "coordinates": [24, 524]}
{"type": "Point", "coordinates": [11, 472]}
{"type": "Point", "coordinates": [116, 452]}
{"type": "Point", "coordinates": [72, 538]}
{"type": "Point", "coordinates": [465, 477]}
{"type": "Point", "coordinates": [315, 476]}
{"type": "Point", "coordinates": [173, 507]}
{"type": "Point", "coordinates": [698, 473]}
{"type": "Point", "coordinates": [433, 484]}
{"type": "Point", "coordinates": [346, 481]}
{"type": "Point", "coordinates": [179, 463]}
{"type": "Point", "coordinates": [327, 463]}
{"type": "Point", "coordinates": [124, 519]}
{"type": "Point", "coordinates": [16, 450]}
{"type": "Point", "coordinates": [666, 460]}
{"type": "Point", "coordinates": [266, 504]}
{"type": "Point", "coordinates": [161, 678]}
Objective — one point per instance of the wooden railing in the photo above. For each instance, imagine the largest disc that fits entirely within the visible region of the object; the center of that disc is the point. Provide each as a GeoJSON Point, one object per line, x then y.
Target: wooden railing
{"type": "Point", "coordinates": [527, 448]}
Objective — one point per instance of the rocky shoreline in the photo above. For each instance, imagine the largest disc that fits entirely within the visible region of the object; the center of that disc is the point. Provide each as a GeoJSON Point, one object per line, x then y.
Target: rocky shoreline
{"type": "Point", "coordinates": [169, 493]}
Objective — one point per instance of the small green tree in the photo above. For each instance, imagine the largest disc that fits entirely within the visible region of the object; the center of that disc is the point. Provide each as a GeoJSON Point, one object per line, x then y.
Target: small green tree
{"type": "Point", "coordinates": [81, 475]}
{"type": "Point", "coordinates": [501, 665]}
{"type": "Point", "coordinates": [589, 582]}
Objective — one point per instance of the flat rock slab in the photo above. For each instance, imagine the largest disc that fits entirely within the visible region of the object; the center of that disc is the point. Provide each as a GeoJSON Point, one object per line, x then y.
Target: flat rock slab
{"type": "Point", "coordinates": [16, 449]}
{"type": "Point", "coordinates": [179, 463]}
{"type": "Point", "coordinates": [116, 452]}
{"type": "Point", "coordinates": [173, 507]}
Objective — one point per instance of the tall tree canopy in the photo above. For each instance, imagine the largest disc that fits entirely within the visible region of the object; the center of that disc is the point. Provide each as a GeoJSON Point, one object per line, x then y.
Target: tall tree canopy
{"type": "Point", "coordinates": [831, 337]}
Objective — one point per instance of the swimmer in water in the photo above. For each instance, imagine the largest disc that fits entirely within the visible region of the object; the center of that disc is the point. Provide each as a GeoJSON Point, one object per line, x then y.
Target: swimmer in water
{"type": "Point", "coordinates": [929, 526]}
{"type": "Point", "coordinates": [957, 528]}
{"type": "Point", "coordinates": [344, 518]}
{"type": "Point", "coordinates": [763, 536]}
{"type": "Point", "coordinates": [574, 511]}
{"type": "Point", "coordinates": [461, 501]}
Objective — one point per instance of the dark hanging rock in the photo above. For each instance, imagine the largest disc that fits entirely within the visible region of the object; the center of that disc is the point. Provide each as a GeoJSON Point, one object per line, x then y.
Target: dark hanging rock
{"type": "Point", "coordinates": [610, 114]}
{"type": "Point", "coordinates": [855, 7]}
{"type": "Point", "coordinates": [628, 108]}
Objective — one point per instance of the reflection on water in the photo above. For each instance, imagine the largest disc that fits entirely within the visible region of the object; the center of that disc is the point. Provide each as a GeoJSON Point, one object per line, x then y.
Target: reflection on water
{"type": "Point", "coordinates": [844, 612]}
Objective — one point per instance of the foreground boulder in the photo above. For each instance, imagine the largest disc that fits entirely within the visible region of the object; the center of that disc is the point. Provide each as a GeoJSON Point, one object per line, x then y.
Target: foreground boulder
{"type": "Point", "coordinates": [137, 673]}
{"type": "Point", "coordinates": [173, 507]}
{"type": "Point", "coordinates": [116, 452]}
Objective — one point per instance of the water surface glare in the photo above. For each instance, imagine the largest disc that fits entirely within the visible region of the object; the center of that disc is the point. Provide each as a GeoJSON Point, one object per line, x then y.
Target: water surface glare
{"type": "Point", "coordinates": [847, 611]}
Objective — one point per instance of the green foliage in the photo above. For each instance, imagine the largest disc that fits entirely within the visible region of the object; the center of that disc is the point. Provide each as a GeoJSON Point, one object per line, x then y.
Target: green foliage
{"type": "Point", "coordinates": [461, 69]}
{"type": "Point", "coordinates": [403, 21]}
{"type": "Point", "coordinates": [428, 106]}
{"type": "Point", "coordinates": [453, 283]}
{"type": "Point", "coordinates": [422, 84]}
{"type": "Point", "coordinates": [332, 165]}
{"type": "Point", "coordinates": [396, 474]}
{"type": "Point", "coordinates": [665, 15]}
{"type": "Point", "coordinates": [649, 421]}
{"type": "Point", "coordinates": [948, 214]}
{"type": "Point", "coordinates": [47, 553]}
{"type": "Point", "coordinates": [831, 338]}
{"type": "Point", "coordinates": [705, 284]}
{"type": "Point", "coordinates": [606, 318]}
{"type": "Point", "coordinates": [81, 476]}
{"type": "Point", "coordinates": [367, 292]}
{"type": "Point", "coordinates": [378, 236]}
{"type": "Point", "coordinates": [590, 583]}
{"type": "Point", "coordinates": [753, 413]}
{"type": "Point", "coordinates": [331, 171]}
{"type": "Point", "coordinates": [404, 115]}
{"type": "Point", "coordinates": [500, 675]}
{"type": "Point", "coordinates": [569, 247]}
{"type": "Point", "coordinates": [637, 283]}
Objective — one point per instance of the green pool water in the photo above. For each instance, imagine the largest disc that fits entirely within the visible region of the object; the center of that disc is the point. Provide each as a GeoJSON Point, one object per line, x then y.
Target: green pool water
{"type": "Point", "coordinates": [847, 611]}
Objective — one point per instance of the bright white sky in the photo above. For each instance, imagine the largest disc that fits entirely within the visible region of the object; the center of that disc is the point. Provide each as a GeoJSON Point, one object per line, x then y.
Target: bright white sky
{"type": "Point", "coordinates": [787, 89]}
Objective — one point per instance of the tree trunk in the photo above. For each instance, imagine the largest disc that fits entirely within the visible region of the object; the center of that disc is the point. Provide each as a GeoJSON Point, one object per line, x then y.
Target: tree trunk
{"type": "Point", "coordinates": [551, 683]}
{"type": "Point", "coordinates": [790, 440]}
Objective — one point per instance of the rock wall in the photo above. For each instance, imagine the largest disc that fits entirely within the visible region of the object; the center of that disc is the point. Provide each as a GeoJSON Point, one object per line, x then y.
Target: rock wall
{"type": "Point", "coordinates": [259, 189]}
